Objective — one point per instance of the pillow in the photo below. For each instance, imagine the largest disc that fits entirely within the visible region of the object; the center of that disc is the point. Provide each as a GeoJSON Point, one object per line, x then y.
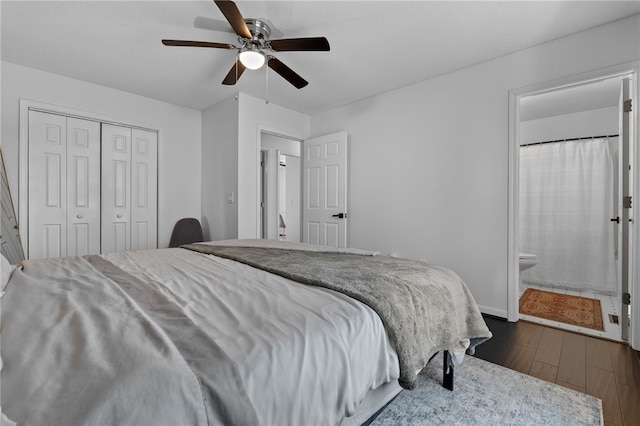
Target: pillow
{"type": "Point", "coordinates": [5, 270]}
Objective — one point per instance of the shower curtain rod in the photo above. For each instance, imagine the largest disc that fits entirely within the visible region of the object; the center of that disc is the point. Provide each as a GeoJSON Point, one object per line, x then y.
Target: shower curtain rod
{"type": "Point", "coordinates": [571, 139]}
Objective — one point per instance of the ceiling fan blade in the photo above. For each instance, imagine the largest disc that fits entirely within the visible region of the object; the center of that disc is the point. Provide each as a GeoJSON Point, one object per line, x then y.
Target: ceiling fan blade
{"type": "Point", "coordinates": [233, 15]}
{"type": "Point", "coordinates": [190, 43]}
{"type": "Point", "coordinates": [234, 74]}
{"type": "Point", "coordinates": [300, 44]}
{"type": "Point", "coordinates": [287, 73]}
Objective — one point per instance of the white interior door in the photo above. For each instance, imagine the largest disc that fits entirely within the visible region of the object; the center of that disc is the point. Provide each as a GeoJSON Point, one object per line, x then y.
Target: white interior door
{"type": "Point", "coordinates": [92, 187]}
{"type": "Point", "coordinates": [83, 187]}
{"type": "Point", "coordinates": [116, 188]}
{"type": "Point", "coordinates": [325, 190]}
{"type": "Point", "coordinates": [625, 202]}
{"type": "Point", "coordinates": [47, 227]}
{"type": "Point", "coordinates": [144, 189]}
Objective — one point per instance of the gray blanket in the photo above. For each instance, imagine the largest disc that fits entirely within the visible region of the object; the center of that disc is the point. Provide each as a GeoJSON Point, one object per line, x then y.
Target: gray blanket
{"type": "Point", "coordinates": [424, 308]}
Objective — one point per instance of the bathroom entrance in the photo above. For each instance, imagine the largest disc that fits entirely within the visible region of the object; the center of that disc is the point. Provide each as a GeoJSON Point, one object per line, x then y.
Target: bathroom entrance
{"type": "Point", "coordinates": [280, 187]}
{"type": "Point", "coordinates": [573, 229]}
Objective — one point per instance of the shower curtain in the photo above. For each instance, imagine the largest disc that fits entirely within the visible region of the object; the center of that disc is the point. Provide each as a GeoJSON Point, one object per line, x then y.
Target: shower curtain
{"type": "Point", "coordinates": [567, 198]}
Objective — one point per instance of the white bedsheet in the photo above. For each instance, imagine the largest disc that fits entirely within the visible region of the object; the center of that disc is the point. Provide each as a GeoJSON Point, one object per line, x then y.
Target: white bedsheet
{"type": "Point", "coordinates": [308, 355]}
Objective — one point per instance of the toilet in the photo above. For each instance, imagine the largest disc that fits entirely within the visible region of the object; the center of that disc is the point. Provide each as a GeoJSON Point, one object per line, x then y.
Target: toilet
{"type": "Point", "coordinates": [526, 261]}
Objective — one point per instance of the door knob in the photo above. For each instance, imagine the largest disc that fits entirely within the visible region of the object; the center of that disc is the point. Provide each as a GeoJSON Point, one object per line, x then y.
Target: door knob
{"type": "Point", "coordinates": [119, 216]}
{"type": "Point", "coordinates": [79, 216]}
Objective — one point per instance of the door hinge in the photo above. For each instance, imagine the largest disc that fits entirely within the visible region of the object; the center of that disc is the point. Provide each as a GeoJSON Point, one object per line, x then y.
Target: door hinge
{"type": "Point", "coordinates": [626, 298]}
{"type": "Point", "coordinates": [626, 106]}
{"type": "Point", "coordinates": [626, 202]}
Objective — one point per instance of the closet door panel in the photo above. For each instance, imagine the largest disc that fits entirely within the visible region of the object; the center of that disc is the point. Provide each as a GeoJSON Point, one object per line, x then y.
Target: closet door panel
{"type": "Point", "coordinates": [116, 188]}
{"type": "Point", "coordinates": [144, 189]}
{"type": "Point", "coordinates": [83, 188]}
{"type": "Point", "coordinates": [47, 225]}
{"type": "Point", "coordinates": [93, 187]}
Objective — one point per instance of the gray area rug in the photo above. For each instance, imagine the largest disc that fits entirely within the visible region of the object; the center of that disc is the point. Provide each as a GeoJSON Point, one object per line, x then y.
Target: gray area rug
{"type": "Point", "coordinates": [488, 394]}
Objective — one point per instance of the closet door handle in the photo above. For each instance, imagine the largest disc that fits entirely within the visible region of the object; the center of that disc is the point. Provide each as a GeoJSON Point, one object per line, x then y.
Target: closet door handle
{"type": "Point", "coordinates": [615, 219]}
{"type": "Point", "coordinates": [79, 216]}
{"type": "Point", "coordinates": [119, 216]}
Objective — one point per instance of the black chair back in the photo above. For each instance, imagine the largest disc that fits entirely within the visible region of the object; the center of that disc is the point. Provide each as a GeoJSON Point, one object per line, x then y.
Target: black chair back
{"type": "Point", "coordinates": [186, 231]}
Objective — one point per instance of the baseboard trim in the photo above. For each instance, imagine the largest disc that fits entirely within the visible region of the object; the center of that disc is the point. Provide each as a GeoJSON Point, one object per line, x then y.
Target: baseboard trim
{"type": "Point", "coordinates": [500, 313]}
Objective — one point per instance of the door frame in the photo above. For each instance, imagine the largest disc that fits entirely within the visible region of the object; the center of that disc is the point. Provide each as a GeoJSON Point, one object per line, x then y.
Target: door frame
{"type": "Point", "coordinates": [264, 191]}
{"type": "Point", "coordinates": [630, 69]}
{"type": "Point", "coordinates": [274, 132]}
{"type": "Point", "coordinates": [25, 105]}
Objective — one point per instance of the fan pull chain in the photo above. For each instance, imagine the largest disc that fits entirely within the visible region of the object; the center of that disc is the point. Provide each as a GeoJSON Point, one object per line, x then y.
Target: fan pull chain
{"type": "Point", "coordinates": [266, 96]}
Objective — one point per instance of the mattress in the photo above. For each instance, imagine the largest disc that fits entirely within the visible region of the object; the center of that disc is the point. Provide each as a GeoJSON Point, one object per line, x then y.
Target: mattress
{"type": "Point", "coordinates": [79, 347]}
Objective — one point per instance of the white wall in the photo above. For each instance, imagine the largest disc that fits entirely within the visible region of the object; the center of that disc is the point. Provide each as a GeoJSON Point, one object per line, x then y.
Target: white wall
{"type": "Point", "coordinates": [220, 170]}
{"type": "Point", "coordinates": [603, 121]}
{"type": "Point", "coordinates": [429, 162]}
{"type": "Point", "coordinates": [255, 116]}
{"type": "Point", "coordinates": [179, 133]}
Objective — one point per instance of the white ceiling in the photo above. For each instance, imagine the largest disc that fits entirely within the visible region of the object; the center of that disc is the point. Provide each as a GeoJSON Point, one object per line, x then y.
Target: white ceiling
{"type": "Point", "coordinates": [376, 46]}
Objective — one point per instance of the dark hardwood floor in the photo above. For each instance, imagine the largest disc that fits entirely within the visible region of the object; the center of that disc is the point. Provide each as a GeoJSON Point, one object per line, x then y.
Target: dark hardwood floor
{"type": "Point", "coordinates": [608, 370]}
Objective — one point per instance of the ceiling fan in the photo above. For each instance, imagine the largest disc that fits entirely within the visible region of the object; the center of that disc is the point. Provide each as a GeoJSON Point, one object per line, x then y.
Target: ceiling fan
{"type": "Point", "coordinates": [255, 46]}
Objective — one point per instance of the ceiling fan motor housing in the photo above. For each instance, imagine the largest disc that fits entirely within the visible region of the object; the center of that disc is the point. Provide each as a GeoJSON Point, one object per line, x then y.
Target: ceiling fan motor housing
{"type": "Point", "coordinates": [258, 29]}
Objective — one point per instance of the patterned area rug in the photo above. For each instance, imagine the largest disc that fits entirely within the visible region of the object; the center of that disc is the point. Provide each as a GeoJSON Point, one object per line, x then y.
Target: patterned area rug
{"type": "Point", "coordinates": [574, 310]}
{"type": "Point", "coordinates": [488, 394]}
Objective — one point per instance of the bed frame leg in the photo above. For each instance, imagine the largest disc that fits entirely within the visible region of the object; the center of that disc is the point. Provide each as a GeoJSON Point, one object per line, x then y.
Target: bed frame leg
{"type": "Point", "coordinates": [447, 371]}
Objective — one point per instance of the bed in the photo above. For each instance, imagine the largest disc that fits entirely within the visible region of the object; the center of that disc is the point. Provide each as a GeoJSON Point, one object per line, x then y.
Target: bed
{"type": "Point", "coordinates": [220, 333]}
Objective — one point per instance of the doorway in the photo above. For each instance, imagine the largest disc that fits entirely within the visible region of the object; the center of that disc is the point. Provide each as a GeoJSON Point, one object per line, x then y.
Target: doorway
{"type": "Point", "coordinates": [568, 156]}
{"type": "Point", "coordinates": [579, 119]}
{"type": "Point", "coordinates": [280, 187]}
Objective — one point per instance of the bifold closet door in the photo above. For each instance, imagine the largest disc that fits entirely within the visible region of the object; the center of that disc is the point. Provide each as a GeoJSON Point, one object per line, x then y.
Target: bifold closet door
{"type": "Point", "coordinates": [129, 189]}
{"type": "Point", "coordinates": [64, 186]}
{"type": "Point", "coordinates": [144, 189]}
{"type": "Point", "coordinates": [83, 187]}
{"type": "Point", "coordinates": [116, 188]}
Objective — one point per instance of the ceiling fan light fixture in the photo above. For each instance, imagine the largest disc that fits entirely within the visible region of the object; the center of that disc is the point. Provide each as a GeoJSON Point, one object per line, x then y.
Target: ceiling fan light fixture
{"type": "Point", "coordinates": [254, 36]}
{"type": "Point", "coordinates": [252, 58]}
